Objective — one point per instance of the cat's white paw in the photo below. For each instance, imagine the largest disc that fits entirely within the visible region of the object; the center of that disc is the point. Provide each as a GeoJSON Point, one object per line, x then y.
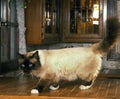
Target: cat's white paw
{"type": "Point", "coordinates": [53, 88]}
{"type": "Point", "coordinates": [34, 91]}
{"type": "Point", "coordinates": [82, 87]}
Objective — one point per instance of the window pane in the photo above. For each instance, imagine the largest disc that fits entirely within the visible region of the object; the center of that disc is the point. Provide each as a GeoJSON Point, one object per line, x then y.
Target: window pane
{"type": "Point", "coordinates": [84, 16]}
{"type": "Point", "coordinates": [51, 16]}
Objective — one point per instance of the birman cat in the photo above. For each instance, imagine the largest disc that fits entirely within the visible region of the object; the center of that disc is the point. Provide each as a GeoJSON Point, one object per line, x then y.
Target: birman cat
{"type": "Point", "coordinates": [69, 64]}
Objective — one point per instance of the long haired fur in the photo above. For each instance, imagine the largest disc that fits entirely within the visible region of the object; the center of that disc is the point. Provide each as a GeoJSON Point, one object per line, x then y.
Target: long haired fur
{"type": "Point", "coordinates": [73, 63]}
{"type": "Point", "coordinates": [113, 27]}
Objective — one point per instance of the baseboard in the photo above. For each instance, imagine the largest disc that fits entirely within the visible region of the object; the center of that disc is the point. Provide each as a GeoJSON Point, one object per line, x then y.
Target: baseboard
{"type": "Point", "coordinates": [8, 66]}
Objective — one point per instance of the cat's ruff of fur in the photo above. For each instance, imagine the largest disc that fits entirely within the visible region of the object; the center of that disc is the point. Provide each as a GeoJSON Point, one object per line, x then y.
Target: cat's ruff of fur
{"type": "Point", "coordinates": [73, 63]}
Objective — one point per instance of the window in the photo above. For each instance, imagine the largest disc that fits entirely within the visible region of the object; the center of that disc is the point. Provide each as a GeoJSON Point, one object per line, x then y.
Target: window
{"type": "Point", "coordinates": [84, 16]}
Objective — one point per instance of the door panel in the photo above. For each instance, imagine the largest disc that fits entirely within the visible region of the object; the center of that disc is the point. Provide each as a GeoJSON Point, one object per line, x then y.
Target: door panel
{"type": "Point", "coordinates": [4, 31]}
{"type": "Point", "coordinates": [8, 35]}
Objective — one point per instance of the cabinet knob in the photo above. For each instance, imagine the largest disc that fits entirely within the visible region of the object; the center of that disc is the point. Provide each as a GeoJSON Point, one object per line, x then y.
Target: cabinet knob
{"type": "Point", "coordinates": [3, 23]}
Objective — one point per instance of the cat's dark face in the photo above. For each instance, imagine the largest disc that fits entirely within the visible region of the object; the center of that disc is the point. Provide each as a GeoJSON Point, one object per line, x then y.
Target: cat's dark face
{"type": "Point", "coordinates": [29, 62]}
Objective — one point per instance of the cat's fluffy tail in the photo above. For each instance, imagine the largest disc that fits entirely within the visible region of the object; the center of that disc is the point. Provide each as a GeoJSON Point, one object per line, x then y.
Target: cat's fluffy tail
{"type": "Point", "coordinates": [113, 27]}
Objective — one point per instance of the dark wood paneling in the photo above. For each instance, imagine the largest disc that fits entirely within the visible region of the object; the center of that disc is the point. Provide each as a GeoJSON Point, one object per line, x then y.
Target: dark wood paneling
{"type": "Point", "coordinates": [33, 22]}
{"type": "Point", "coordinates": [8, 35]}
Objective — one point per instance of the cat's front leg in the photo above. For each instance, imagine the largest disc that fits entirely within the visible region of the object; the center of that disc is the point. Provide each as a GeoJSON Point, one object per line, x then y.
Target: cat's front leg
{"type": "Point", "coordinates": [86, 85]}
{"type": "Point", "coordinates": [54, 86]}
{"type": "Point", "coordinates": [40, 87]}
{"type": "Point", "coordinates": [37, 90]}
{"type": "Point", "coordinates": [44, 84]}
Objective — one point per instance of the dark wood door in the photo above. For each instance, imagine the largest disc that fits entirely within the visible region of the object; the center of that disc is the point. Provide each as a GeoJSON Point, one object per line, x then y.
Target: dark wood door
{"type": "Point", "coordinates": [8, 34]}
{"type": "Point", "coordinates": [5, 31]}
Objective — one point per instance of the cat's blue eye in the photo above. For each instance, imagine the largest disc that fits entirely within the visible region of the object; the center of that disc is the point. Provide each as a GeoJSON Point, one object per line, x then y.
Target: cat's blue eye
{"type": "Point", "coordinates": [22, 65]}
{"type": "Point", "coordinates": [30, 65]}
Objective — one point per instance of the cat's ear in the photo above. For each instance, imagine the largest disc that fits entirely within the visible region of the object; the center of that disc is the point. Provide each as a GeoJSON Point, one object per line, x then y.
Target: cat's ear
{"type": "Point", "coordinates": [20, 55]}
{"type": "Point", "coordinates": [35, 55]}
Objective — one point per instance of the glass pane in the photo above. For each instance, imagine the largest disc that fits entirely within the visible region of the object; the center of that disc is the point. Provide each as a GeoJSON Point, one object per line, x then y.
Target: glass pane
{"type": "Point", "coordinates": [48, 15]}
{"type": "Point", "coordinates": [84, 16]}
{"type": "Point", "coordinates": [51, 16]}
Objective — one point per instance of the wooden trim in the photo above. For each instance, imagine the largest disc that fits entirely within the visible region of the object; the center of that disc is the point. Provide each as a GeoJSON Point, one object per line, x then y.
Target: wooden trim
{"type": "Point", "coordinates": [45, 97]}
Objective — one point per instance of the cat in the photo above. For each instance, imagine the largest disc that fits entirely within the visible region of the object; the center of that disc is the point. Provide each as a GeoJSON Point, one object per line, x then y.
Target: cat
{"type": "Point", "coordinates": [69, 63]}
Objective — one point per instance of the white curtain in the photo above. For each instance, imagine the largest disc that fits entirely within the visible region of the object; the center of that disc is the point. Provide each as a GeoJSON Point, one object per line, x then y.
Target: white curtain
{"type": "Point", "coordinates": [21, 26]}
{"type": "Point", "coordinates": [118, 13]}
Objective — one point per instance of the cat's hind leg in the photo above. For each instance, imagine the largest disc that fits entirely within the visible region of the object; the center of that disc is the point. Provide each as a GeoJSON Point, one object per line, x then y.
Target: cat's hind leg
{"type": "Point", "coordinates": [86, 85]}
{"type": "Point", "coordinates": [89, 79]}
{"type": "Point", "coordinates": [88, 82]}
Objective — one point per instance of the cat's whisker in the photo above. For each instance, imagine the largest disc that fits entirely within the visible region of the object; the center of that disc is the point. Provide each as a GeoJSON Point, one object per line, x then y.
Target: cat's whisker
{"type": "Point", "coordinates": [32, 76]}
{"type": "Point", "coordinates": [21, 73]}
{"type": "Point", "coordinates": [39, 80]}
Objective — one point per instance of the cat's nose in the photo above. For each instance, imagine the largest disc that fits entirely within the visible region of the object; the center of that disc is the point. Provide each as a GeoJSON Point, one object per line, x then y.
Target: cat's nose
{"type": "Point", "coordinates": [26, 71]}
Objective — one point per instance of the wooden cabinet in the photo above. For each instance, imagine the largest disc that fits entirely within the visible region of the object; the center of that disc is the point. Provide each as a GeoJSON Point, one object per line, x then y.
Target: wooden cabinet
{"type": "Point", "coordinates": [83, 20]}
{"type": "Point", "coordinates": [50, 21]}
{"type": "Point", "coordinates": [42, 18]}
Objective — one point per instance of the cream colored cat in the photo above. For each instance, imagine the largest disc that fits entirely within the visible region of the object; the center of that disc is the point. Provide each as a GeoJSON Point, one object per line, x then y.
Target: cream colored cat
{"type": "Point", "coordinates": [70, 63]}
